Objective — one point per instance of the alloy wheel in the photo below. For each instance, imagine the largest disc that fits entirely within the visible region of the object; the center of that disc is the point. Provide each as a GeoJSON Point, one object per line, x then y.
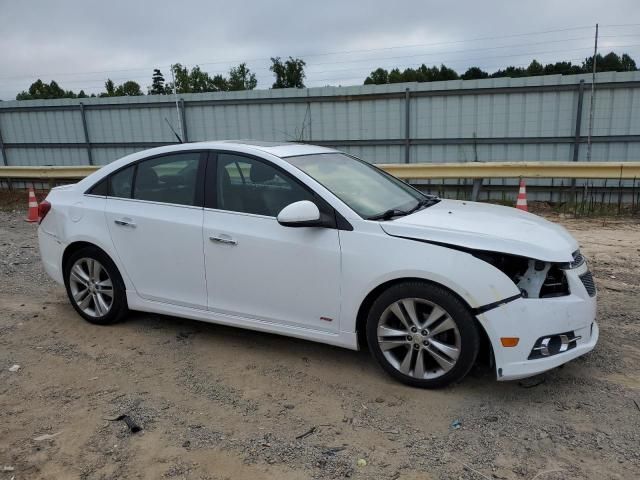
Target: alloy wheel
{"type": "Point", "coordinates": [91, 287]}
{"type": "Point", "coordinates": [419, 338]}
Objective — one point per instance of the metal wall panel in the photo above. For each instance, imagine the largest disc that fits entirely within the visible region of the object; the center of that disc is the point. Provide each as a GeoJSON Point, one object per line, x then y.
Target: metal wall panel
{"type": "Point", "coordinates": [104, 156]}
{"type": "Point", "coordinates": [523, 119]}
{"type": "Point", "coordinates": [48, 156]}
{"type": "Point", "coordinates": [131, 125]}
{"type": "Point", "coordinates": [41, 126]}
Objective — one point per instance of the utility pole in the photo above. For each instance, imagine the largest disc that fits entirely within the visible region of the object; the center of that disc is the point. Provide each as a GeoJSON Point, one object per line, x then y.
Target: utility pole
{"type": "Point", "coordinates": [175, 96]}
{"type": "Point", "coordinates": [593, 96]}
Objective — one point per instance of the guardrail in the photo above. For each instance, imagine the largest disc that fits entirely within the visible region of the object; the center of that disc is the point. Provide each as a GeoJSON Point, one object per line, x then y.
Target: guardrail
{"type": "Point", "coordinates": [599, 170]}
{"type": "Point", "coordinates": [417, 171]}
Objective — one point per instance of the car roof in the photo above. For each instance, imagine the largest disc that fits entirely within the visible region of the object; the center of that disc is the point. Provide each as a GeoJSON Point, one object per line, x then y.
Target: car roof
{"type": "Point", "coordinates": [279, 149]}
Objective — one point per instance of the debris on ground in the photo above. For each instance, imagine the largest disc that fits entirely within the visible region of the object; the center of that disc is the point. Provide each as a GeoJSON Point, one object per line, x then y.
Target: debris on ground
{"type": "Point", "coordinates": [311, 431]}
{"type": "Point", "coordinates": [133, 426]}
{"type": "Point", "coordinates": [46, 436]}
{"type": "Point", "coordinates": [14, 368]}
{"type": "Point", "coordinates": [456, 424]}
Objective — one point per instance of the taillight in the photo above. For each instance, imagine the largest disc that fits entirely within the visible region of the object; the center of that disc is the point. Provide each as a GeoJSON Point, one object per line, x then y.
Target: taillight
{"type": "Point", "coordinates": [43, 209]}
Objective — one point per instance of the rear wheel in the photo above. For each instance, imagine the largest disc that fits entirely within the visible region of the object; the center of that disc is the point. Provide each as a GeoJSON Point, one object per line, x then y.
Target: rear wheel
{"type": "Point", "coordinates": [422, 335]}
{"type": "Point", "coordinates": [95, 287]}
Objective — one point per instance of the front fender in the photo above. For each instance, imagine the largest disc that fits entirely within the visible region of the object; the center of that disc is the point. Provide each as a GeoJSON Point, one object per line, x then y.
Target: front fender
{"type": "Point", "coordinates": [475, 281]}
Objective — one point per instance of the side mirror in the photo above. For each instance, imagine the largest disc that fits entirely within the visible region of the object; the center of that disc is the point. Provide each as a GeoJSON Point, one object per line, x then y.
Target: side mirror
{"type": "Point", "coordinates": [300, 214]}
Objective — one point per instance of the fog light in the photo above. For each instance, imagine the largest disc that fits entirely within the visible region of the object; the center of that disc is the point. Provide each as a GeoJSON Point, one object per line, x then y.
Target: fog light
{"type": "Point", "coordinates": [554, 344]}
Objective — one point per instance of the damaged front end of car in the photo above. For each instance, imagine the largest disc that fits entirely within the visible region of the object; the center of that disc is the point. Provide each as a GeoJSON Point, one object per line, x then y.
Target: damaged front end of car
{"type": "Point", "coordinates": [553, 320]}
{"type": "Point", "coordinates": [534, 278]}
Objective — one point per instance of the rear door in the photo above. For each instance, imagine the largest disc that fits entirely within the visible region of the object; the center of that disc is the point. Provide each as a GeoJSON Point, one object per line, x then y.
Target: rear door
{"type": "Point", "coordinates": [257, 268]}
{"type": "Point", "coordinates": [154, 215]}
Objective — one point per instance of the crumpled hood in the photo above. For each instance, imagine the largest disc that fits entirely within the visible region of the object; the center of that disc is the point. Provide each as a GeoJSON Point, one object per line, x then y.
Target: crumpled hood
{"type": "Point", "coordinates": [482, 226]}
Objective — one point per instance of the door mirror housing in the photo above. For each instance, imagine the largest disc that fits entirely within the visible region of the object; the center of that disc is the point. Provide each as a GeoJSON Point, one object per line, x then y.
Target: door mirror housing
{"type": "Point", "coordinates": [300, 214]}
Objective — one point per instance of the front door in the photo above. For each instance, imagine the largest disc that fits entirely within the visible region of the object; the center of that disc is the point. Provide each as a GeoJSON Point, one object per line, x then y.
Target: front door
{"type": "Point", "coordinates": [257, 268]}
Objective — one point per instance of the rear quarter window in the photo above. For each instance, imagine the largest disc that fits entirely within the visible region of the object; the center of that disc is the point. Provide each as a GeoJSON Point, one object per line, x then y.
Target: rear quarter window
{"type": "Point", "coordinates": [120, 183]}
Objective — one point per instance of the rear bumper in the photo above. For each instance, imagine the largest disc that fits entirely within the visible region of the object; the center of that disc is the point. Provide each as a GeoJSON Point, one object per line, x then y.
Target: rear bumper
{"type": "Point", "coordinates": [51, 250]}
{"type": "Point", "coordinates": [531, 319]}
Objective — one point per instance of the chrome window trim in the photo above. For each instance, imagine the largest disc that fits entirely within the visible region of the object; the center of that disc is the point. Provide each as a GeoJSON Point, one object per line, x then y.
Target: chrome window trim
{"type": "Point", "coordinates": [152, 202]}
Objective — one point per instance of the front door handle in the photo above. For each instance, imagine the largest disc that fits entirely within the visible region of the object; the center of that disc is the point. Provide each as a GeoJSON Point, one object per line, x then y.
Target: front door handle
{"type": "Point", "coordinates": [125, 222]}
{"type": "Point", "coordinates": [223, 239]}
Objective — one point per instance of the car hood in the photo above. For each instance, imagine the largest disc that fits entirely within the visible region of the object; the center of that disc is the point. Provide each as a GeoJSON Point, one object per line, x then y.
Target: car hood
{"type": "Point", "coordinates": [482, 226]}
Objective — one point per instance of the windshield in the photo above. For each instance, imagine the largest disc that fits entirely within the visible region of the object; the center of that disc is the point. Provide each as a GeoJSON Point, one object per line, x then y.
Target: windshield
{"type": "Point", "coordinates": [370, 192]}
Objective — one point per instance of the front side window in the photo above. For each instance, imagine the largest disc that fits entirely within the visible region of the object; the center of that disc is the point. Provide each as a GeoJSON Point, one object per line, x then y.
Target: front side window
{"type": "Point", "coordinates": [168, 179]}
{"type": "Point", "coordinates": [251, 186]}
{"type": "Point", "coordinates": [366, 190]}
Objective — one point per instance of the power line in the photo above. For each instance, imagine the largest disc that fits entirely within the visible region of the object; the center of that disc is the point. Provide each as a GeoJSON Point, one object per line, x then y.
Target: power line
{"type": "Point", "coordinates": [451, 61]}
{"type": "Point", "coordinates": [311, 55]}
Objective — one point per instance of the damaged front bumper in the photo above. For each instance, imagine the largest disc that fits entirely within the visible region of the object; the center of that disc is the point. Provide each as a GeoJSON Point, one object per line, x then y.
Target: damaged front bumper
{"type": "Point", "coordinates": [551, 331]}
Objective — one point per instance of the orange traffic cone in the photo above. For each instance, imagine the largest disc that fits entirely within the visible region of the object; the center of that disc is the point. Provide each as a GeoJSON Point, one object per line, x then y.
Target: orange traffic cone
{"type": "Point", "coordinates": [33, 208]}
{"type": "Point", "coordinates": [521, 202]}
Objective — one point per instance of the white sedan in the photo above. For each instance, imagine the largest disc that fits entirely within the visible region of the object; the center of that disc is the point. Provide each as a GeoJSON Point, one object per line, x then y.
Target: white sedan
{"type": "Point", "coordinates": [313, 243]}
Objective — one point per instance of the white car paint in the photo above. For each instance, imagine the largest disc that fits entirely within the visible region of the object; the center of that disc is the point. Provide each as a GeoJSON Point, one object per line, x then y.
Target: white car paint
{"type": "Point", "coordinates": [487, 227]}
{"type": "Point", "coordinates": [249, 271]}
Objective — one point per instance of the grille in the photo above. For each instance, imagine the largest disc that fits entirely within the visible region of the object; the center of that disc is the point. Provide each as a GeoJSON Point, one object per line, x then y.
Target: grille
{"type": "Point", "coordinates": [589, 284]}
{"type": "Point", "coordinates": [578, 259]}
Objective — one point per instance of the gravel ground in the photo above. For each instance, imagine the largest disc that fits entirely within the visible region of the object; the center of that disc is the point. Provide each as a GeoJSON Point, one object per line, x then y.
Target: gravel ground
{"type": "Point", "coordinates": [222, 403]}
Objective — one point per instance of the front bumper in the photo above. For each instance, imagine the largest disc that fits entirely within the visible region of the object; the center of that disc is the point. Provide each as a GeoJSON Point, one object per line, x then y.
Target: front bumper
{"type": "Point", "coordinates": [534, 318]}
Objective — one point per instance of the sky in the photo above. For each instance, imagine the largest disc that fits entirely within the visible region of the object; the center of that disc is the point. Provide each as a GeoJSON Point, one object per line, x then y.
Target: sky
{"type": "Point", "coordinates": [81, 43]}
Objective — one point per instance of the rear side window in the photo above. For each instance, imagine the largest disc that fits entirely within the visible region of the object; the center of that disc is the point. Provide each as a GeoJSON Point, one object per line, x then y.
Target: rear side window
{"type": "Point", "coordinates": [168, 179]}
{"type": "Point", "coordinates": [120, 183]}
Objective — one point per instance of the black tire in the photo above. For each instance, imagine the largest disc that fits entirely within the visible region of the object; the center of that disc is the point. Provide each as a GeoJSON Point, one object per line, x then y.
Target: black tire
{"type": "Point", "coordinates": [118, 309]}
{"type": "Point", "coordinates": [469, 337]}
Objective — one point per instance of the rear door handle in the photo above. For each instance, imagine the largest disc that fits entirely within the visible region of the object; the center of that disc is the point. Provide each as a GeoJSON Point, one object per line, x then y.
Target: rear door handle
{"type": "Point", "coordinates": [125, 222]}
{"type": "Point", "coordinates": [223, 239]}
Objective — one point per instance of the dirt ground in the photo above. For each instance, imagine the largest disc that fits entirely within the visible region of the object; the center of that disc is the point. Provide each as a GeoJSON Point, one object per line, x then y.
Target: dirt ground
{"type": "Point", "coordinates": [223, 403]}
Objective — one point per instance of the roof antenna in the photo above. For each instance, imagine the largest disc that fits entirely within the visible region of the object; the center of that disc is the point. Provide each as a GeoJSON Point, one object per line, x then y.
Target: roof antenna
{"type": "Point", "coordinates": [173, 130]}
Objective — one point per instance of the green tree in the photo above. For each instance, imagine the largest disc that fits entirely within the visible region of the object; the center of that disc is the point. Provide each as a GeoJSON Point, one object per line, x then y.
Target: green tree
{"type": "Point", "coordinates": [446, 73]}
{"type": "Point", "coordinates": [157, 83]}
{"type": "Point", "coordinates": [289, 74]}
{"type": "Point", "coordinates": [611, 62]}
{"type": "Point", "coordinates": [42, 90]}
{"type": "Point", "coordinates": [395, 76]}
{"type": "Point", "coordinates": [562, 68]}
{"type": "Point", "coordinates": [241, 78]}
{"type": "Point", "coordinates": [474, 73]}
{"type": "Point", "coordinates": [513, 72]}
{"type": "Point", "coordinates": [110, 88]}
{"type": "Point", "coordinates": [379, 76]}
{"type": "Point", "coordinates": [220, 84]}
{"type": "Point", "coordinates": [627, 63]}
{"type": "Point", "coordinates": [196, 80]}
{"type": "Point", "coordinates": [535, 68]}
{"type": "Point", "coordinates": [128, 89]}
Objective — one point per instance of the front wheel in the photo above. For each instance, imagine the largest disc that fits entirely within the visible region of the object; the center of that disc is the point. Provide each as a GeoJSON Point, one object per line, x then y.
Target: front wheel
{"type": "Point", "coordinates": [422, 335]}
{"type": "Point", "coordinates": [95, 287]}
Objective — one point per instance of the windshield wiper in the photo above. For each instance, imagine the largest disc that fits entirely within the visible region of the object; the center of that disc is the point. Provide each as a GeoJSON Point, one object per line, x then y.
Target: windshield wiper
{"type": "Point", "coordinates": [425, 202]}
{"type": "Point", "coordinates": [396, 212]}
{"type": "Point", "coordinates": [389, 214]}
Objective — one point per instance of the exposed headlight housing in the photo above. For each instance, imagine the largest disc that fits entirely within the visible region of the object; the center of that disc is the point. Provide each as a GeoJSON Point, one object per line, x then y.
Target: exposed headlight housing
{"type": "Point", "coordinates": [534, 278]}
